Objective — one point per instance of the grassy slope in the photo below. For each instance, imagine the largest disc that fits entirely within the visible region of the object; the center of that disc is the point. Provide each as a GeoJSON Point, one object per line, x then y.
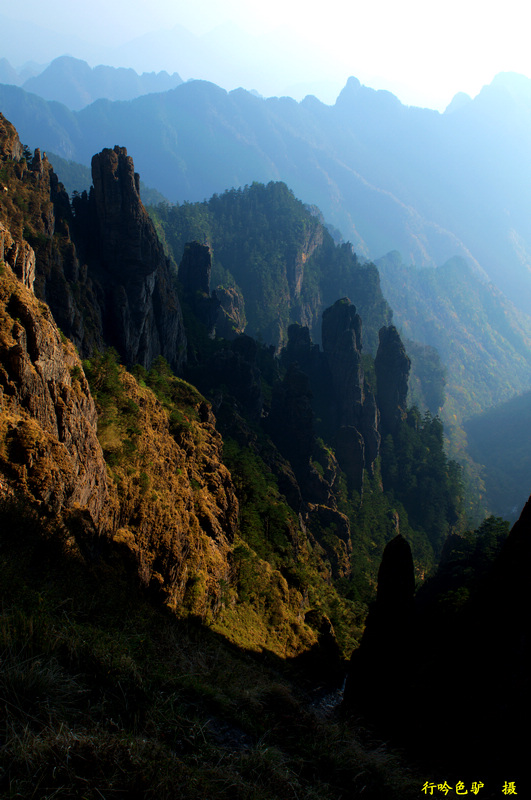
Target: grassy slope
{"type": "Point", "coordinates": [104, 695]}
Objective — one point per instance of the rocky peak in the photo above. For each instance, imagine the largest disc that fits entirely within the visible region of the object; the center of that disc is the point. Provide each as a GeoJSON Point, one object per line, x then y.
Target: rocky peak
{"type": "Point", "coordinates": [195, 269]}
{"type": "Point", "coordinates": [392, 366]}
{"type": "Point", "coordinates": [138, 306]}
{"type": "Point", "coordinates": [396, 576]}
{"type": "Point", "coordinates": [10, 146]}
{"type": "Point", "coordinates": [341, 334]}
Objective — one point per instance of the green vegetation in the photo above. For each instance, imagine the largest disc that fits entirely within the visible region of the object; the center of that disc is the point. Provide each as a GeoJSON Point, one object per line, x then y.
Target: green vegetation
{"type": "Point", "coordinates": [417, 473]}
{"type": "Point", "coordinates": [279, 256]}
{"type": "Point", "coordinates": [466, 561]}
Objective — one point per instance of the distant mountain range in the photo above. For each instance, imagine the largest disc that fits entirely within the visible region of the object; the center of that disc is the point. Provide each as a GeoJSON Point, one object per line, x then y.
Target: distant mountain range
{"type": "Point", "coordinates": [484, 342]}
{"type": "Point", "coordinates": [223, 54]}
{"type": "Point", "coordinates": [72, 82]}
{"type": "Point", "coordinates": [500, 438]}
{"type": "Point", "coordinates": [390, 177]}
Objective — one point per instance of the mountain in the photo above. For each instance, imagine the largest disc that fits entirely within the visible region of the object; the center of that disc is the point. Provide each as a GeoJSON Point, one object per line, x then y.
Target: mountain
{"type": "Point", "coordinates": [190, 538]}
{"type": "Point", "coordinates": [72, 82]}
{"type": "Point", "coordinates": [98, 265]}
{"type": "Point", "coordinates": [8, 74]}
{"type": "Point", "coordinates": [364, 159]}
{"type": "Point", "coordinates": [222, 54]}
{"type": "Point", "coordinates": [344, 159]}
{"type": "Point", "coordinates": [484, 344]}
{"type": "Point", "coordinates": [498, 439]}
{"type": "Point", "coordinates": [277, 255]}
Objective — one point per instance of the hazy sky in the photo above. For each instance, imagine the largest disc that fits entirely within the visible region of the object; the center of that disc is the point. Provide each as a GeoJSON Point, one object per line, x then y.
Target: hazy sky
{"type": "Point", "coordinates": [424, 51]}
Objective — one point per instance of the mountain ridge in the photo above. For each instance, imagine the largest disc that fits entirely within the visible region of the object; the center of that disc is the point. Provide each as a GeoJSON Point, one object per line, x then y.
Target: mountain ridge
{"type": "Point", "coordinates": [226, 139]}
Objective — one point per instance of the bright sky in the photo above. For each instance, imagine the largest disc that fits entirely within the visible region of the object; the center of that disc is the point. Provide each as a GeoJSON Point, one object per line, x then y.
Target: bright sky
{"type": "Point", "coordinates": [423, 51]}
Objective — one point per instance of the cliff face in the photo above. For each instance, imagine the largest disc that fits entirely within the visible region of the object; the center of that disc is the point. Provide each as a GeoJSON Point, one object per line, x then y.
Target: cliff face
{"type": "Point", "coordinates": [98, 264]}
{"type": "Point", "coordinates": [49, 448]}
{"type": "Point", "coordinates": [342, 345]}
{"type": "Point", "coordinates": [392, 366]}
{"type": "Point", "coordinates": [140, 311]}
{"type": "Point", "coordinates": [168, 504]}
{"type": "Point", "coordinates": [176, 510]}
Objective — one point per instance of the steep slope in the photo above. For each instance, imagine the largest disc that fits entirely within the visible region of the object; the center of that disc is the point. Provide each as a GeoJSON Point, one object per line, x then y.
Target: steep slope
{"type": "Point", "coordinates": [50, 453]}
{"type": "Point", "coordinates": [169, 506]}
{"type": "Point", "coordinates": [484, 343]}
{"type": "Point", "coordinates": [499, 439]}
{"type": "Point", "coordinates": [483, 340]}
{"type": "Point", "coordinates": [49, 447]}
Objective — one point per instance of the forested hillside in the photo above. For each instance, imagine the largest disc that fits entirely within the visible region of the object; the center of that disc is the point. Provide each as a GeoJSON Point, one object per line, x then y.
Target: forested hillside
{"type": "Point", "coordinates": [276, 254]}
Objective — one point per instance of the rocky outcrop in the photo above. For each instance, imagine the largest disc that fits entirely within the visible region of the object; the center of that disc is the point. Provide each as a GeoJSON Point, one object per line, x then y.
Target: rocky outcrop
{"type": "Point", "coordinates": [140, 311]}
{"type": "Point", "coordinates": [195, 270]}
{"type": "Point", "coordinates": [230, 320]}
{"type": "Point", "coordinates": [19, 255]}
{"type": "Point", "coordinates": [99, 264]}
{"type": "Point", "coordinates": [341, 334]}
{"type": "Point", "coordinates": [48, 444]}
{"type": "Point", "coordinates": [392, 366]}
{"type": "Point", "coordinates": [358, 436]}
{"type": "Point", "coordinates": [380, 670]}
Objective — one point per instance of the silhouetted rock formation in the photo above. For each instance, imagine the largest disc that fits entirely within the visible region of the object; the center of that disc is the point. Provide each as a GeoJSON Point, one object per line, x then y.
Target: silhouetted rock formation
{"type": "Point", "coordinates": [379, 675]}
{"type": "Point", "coordinates": [392, 366]}
{"type": "Point", "coordinates": [141, 314]}
{"type": "Point", "coordinates": [341, 334]}
{"type": "Point", "coordinates": [195, 270]}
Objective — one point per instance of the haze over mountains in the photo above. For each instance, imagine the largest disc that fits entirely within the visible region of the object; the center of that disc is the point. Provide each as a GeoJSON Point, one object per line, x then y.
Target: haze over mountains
{"type": "Point", "coordinates": [72, 82]}
{"type": "Point", "coordinates": [451, 184]}
{"type": "Point", "coordinates": [226, 52]}
{"type": "Point", "coordinates": [387, 176]}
